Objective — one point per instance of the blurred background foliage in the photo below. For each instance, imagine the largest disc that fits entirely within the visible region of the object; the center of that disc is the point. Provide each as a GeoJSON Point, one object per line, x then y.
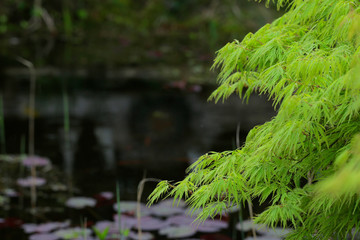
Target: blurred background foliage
{"type": "Point", "coordinates": [124, 32]}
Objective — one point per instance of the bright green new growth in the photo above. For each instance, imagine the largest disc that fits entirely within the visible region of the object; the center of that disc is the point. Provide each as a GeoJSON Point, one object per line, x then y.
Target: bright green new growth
{"type": "Point", "coordinates": [306, 160]}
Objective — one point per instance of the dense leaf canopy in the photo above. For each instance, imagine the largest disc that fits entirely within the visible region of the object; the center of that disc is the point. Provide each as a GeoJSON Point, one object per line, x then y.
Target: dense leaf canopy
{"type": "Point", "coordinates": [306, 160]}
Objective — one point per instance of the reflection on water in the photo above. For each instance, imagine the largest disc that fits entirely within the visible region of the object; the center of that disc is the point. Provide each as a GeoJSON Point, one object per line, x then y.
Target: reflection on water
{"type": "Point", "coordinates": [127, 131]}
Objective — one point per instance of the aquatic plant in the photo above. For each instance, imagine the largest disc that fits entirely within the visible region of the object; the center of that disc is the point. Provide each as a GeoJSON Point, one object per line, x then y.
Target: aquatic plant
{"type": "Point", "coordinates": [80, 202]}
{"type": "Point", "coordinates": [101, 234]}
{"type": "Point", "coordinates": [31, 181]}
{"type": "Point", "coordinates": [36, 161]}
{"type": "Point", "coordinates": [305, 161]}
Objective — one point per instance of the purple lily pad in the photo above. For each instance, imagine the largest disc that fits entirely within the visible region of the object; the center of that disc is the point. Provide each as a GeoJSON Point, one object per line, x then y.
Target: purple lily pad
{"type": "Point", "coordinates": [73, 233]}
{"type": "Point", "coordinates": [44, 236]}
{"type": "Point", "coordinates": [127, 222]}
{"type": "Point", "coordinates": [107, 195]}
{"type": "Point", "coordinates": [44, 227]}
{"type": "Point", "coordinates": [178, 231]}
{"type": "Point", "coordinates": [80, 202]}
{"type": "Point", "coordinates": [102, 225]}
{"type": "Point", "coordinates": [144, 236]}
{"type": "Point", "coordinates": [29, 227]}
{"type": "Point", "coordinates": [170, 203]}
{"type": "Point", "coordinates": [151, 224]}
{"type": "Point", "coordinates": [166, 211]}
{"type": "Point", "coordinates": [210, 225]}
{"type": "Point", "coordinates": [247, 225]}
{"type": "Point", "coordinates": [131, 208]}
{"type": "Point", "coordinates": [274, 232]}
{"type": "Point", "coordinates": [36, 161]}
{"type": "Point", "coordinates": [180, 220]}
{"type": "Point", "coordinates": [113, 227]}
{"type": "Point", "coordinates": [30, 181]}
{"type": "Point", "coordinates": [10, 192]}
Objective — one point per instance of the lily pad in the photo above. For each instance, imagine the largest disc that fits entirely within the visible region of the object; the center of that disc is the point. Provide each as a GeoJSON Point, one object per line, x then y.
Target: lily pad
{"type": "Point", "coordinates": [171, 203]}
{"type": "Point", "coordinates": [166, 211]}
{"type": "Point", "coordinates": [144, 236]}
{"type": "Point", "coordinates": [178, 231]}
{"type": "Point", "coordinates": [180, 220]}
{"type": "Point", "coordinates": [10, 192]}
{"type": "Point", "coordinates": [107, 195]}
{"type": "Point", "coordinates": [275, 232]}
{"type": "Point", "coordinates": [247, 225]}
{"type": "Point", "coordinates": [127, 222]}
{"type": "Point", "coordinates": [151, 224]}
{"type": "Point", "coordinates": [73, 233]}
{"type": "Point", "coordinates": [36, 161]}
{"type": "Point", "coordinates": [80, 202]}
{"type": "Point", "coordinates": [211, 225]}
{"type": "Point", "coordinates": [44, 236]}
{"type": "Point", "coordinates": [30, 181]}
{"type": "Point", "coordinates": [44, 227]}
{"type": "Point", "coordinates": [130, 207]}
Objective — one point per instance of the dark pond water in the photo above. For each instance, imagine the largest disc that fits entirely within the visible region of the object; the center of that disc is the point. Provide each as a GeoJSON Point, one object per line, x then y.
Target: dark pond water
{"type": "Point", "coordinates": [123, 129]}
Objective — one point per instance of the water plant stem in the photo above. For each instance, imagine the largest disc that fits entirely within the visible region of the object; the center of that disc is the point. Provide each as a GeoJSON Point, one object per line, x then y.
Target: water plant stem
{"type": "Point", "coordinates": [249, 201]}
{"type": "Point", "coordinates": [68, 161]}
{"type": "Point", "coordinates": [252, 217]}
{"type": "Point", "coordinates": [241, 221]}
{"type": "Point", "coordinates": [22, 156]}
{"type": "Point", "coordinates": [31, 146]}
{"type": "Point", "coordinates": [139, 194]}
{"type": "Point", "coordinates": [118, 208]}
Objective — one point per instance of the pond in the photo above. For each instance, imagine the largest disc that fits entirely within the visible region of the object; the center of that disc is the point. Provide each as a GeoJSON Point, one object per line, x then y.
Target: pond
{"type": "Point", "coordinates": [99, 130]}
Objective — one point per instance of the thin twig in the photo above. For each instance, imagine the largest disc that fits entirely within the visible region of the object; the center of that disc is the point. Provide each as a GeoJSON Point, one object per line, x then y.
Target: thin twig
{"type": "Point", "coordinates": [139, 194]}
{"type": "Point", "coordinates": [249, 202]}
{"type": "Point", "coordinates": [252, 217]}
{"type": "Point", "coordinates": [31, 146]}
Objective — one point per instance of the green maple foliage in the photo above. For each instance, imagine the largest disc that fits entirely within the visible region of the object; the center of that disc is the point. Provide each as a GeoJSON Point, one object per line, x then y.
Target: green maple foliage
{"type": "Point", "coordinates": [306, 160]}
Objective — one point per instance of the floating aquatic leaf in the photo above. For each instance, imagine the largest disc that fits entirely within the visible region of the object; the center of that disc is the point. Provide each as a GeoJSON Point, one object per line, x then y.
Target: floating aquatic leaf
{"type": "Point", "coordinates": [102, 225]}
{"type": "Point", "coordinates": [144, 236]}
{"type": "Point", "coordinates": [30, 181]}
{"type": "Point", "coordinates": [170, 203]}
{"type": "Point", "coordinates": [206, 226]}
{"type": "Point", "coordinates": [10, 192]}
{"type": "Point", "coordinates": [131, 207]}
{"type": "Point", "coordinates": [44, 227]}
{"type": "Point", "coordinates": [73, 233]}
{"type": "Point", "coordinates": [36, 161]}
{"type": "Point", "coordinates": [210, 225]}
{"type": "Point", "coordinates": [151, 223]}
{"type": "Point", "coordinates": [178, 231]}
{"type": "Point", "coordinates": [166, 211]}
{"type": "Point", "coordinates": [180, 220]}
{"type": "Point", "coordinates": [127, 222]}
{"type": "Point", "coordinates": [275, 232]}
{"type": "Point", "coordinates": [56, 187]}
{"type": "Point", "coordinates": [247, 225]}
{"type": "Point", "coordinates": [107, 195]}
{"type": "Point", "coordinates": [44, 236]}
{"type": "Point", "coordinates": [80, 202]}
{"type": "Point", "coordinates": [29, 227]}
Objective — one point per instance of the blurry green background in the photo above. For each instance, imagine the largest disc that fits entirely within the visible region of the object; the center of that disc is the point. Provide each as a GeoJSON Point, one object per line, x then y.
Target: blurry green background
{"type": "Point", "coordinates": [111, 33]}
